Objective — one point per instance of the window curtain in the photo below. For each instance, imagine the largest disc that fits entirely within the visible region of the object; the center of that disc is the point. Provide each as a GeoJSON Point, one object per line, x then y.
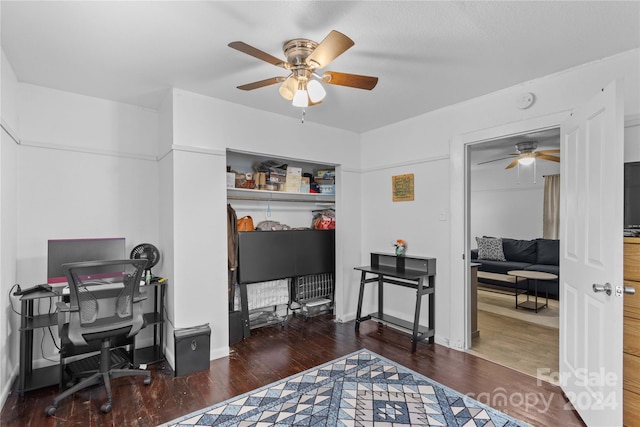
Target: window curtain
{"type": "Point", "coordinates": [551, 207]}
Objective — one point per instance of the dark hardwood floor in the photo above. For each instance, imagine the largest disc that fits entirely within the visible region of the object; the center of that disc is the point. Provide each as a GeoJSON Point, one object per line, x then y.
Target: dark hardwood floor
{"type": "Point", "coordinates": [277, 352]}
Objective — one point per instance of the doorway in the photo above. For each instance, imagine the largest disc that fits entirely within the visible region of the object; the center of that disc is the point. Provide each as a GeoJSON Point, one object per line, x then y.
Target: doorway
{"type": "Point", "coordinates": [505, 200]}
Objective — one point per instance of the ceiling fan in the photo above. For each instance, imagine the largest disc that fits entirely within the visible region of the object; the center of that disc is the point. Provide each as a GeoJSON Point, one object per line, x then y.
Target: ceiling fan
{"type": "Point", "coordinates": [527, 154]}
{"type": "Point", "coordinates": [302, 86]}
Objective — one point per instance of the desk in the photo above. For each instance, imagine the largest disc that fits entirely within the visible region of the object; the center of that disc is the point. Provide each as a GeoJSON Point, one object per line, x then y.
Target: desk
{"type": "Point", "coordinates": [31, 379]}
{"type": "Point", "coordinates": [410, 272]}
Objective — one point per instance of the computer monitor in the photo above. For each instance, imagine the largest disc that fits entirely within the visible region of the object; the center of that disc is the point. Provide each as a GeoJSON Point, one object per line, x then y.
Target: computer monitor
{"type": "Point", "coordinates": [62, 251]}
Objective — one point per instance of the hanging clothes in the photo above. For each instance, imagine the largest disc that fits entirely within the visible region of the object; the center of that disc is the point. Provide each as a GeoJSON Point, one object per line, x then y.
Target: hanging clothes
{"type": "Point", "coordinates": [232, 248]}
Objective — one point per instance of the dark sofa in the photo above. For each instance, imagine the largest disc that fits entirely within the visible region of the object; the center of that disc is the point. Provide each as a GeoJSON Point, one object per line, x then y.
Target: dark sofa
{"type": "Point", "coordinates": [537, 255]}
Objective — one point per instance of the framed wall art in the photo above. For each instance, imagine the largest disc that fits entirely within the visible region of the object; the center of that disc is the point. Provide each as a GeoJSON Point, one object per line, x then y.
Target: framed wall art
{"type": "Point", "coordinates": [402, 187]}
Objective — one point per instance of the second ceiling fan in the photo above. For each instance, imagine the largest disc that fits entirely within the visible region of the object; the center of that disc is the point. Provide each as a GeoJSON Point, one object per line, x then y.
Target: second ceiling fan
{"type": "Point", "coordinates": [304, 57]}
{"type": "Point", "coordinates": [527, 154]}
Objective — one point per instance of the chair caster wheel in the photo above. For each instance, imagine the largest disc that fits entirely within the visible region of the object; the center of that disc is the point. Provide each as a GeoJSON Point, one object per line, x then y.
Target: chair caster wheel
{"type": "Point", "coordinates": [51, 410]}
{"type": "Point", "coordinates": [106, 408]}
{"type": "Point", "coordinates": [147, 381]}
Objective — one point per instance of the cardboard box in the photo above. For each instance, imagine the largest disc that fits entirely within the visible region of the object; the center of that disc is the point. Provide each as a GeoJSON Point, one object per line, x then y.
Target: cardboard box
{"type": "Point", "coordinates": [231, 180]}
{"type": "Point", "coordinates": [294, 180]}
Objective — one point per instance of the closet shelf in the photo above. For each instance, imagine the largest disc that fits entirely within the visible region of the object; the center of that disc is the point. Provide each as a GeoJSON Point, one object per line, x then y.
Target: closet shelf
{"type": "Point", "coordinates": [278, 196]}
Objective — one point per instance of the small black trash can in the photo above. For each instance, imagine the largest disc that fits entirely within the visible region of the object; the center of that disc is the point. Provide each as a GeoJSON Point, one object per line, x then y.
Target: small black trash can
{"type": "Point", "coordinates": [192, 349]}
{"type": "Point", "coordinates": [236, 333]}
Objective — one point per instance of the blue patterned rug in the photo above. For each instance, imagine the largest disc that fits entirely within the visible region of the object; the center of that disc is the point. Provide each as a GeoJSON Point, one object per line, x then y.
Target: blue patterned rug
{"type": "Point", "coordinates": [360, 389]}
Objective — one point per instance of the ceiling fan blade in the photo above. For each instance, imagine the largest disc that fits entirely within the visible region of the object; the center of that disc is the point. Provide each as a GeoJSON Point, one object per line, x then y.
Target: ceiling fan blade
{"type": "Point", "coordinates": [351, 80]}
{"type": "Point", "coordinates": [261, 83]}
{"type": "Point", "coordinates": [499, 158]}
{"type": "Point", "coordinates": [257, 53]}
{"type": "Point", "coordinates": [494, 160]}
{"type": "Point", "coordinates": [547, 157]}
{"type": "Point", "coordinates": [548, 151]}
{"type": "Point", "coordinates": [334, 45]}
{"type": "Point", "coordinates": [512, 164]}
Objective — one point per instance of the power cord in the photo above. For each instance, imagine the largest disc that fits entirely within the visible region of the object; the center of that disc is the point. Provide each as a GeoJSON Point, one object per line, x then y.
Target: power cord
{"type": "Point", "coordinates": [42, 346]}
{"type": "Point", "coordinates": [11, 291]}
{"type": "Point", "coordinates": [166, 316]}
{"type": "Point", "coordinates": [16, 288]}
{"type": "Point", "coordinates": [50, 312]}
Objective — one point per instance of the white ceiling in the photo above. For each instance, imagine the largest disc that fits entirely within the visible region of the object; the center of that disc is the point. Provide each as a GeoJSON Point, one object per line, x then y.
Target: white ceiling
{"type": "Point", "coordinates": [426, 54]}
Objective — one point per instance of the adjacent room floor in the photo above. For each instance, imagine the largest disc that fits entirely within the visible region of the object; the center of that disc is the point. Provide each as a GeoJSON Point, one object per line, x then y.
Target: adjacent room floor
{"type": "Point", "coordinates": [519, 339]}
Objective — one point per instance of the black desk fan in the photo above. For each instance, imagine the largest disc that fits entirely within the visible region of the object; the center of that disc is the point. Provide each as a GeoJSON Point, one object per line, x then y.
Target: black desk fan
{"type": "Point", "coordinates": [151, 254]}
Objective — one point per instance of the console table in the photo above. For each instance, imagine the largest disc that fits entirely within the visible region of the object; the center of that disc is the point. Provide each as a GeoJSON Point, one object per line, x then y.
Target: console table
{"type": "Point", "coordinates": [410, 272]}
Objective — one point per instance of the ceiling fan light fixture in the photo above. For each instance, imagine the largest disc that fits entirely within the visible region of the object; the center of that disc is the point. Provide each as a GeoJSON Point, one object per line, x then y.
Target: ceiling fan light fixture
{"type": "Point", "coordinates": [316, 91]}
{"type": "Point", "coordinates": [526, 161]}
{"type": "Point", "coordinates": [301, 98]}
{"type": "Point", "coordinates": [288, 88]}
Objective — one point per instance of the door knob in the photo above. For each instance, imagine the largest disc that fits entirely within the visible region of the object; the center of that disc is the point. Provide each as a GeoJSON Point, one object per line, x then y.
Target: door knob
{"type": "Point", "coordinates": [606, 288]}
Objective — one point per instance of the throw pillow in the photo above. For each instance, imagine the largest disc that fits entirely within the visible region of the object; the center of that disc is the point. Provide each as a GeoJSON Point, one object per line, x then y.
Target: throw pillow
{"type": "Point", "coordinates": [548, 251]}
{"type": "Point", "coordinates": [519, 250]}
{"type": "Point", "coordinates": [490, 249]}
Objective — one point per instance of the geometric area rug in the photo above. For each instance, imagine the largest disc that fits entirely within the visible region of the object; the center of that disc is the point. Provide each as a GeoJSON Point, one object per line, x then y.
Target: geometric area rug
{"type": "Point", "coordinates": [357, 390]}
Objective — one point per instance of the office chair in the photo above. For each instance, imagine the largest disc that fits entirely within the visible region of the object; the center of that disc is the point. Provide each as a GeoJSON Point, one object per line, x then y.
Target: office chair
{"type": "Point", "coordinates": [105, 305]}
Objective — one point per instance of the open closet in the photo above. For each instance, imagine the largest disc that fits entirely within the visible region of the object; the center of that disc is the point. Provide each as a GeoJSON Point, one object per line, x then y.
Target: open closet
{"type": "Point", "coordinates": [286, 259]}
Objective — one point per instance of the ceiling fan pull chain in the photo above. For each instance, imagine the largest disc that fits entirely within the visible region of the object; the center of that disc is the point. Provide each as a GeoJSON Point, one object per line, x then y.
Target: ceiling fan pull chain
{"type": "Point", "coordinates": [303, 113]}
{"type": "Point", "coordinates": [534, 171]}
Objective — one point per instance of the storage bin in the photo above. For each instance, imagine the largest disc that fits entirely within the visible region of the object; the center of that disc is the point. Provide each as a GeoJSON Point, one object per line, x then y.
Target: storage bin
{"type": "Point", "coordinates": [192, 349]}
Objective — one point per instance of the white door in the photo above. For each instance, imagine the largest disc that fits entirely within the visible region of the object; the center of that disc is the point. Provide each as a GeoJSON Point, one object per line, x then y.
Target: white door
{"type": "Point", "coordinates": [591, 200]}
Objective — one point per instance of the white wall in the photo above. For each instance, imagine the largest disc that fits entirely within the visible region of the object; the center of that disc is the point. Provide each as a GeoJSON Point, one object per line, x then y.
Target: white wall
{"type": "Point", "coordinates": [503, 207]}
{"type": "Point", "coordinates": [87, 168]}
{"type": "Point", "coordinates": [165, 209]}
{"type": "Point", "coordinates": [433, 134]}
{"type": "Point", "coordinates": [423, 223]}
{"type": "Point", "coordinates": [9, 323]}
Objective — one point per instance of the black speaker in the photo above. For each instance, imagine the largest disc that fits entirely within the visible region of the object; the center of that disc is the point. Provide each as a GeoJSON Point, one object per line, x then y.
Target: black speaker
{"type": "Point", "coordinates": [192, 349]}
